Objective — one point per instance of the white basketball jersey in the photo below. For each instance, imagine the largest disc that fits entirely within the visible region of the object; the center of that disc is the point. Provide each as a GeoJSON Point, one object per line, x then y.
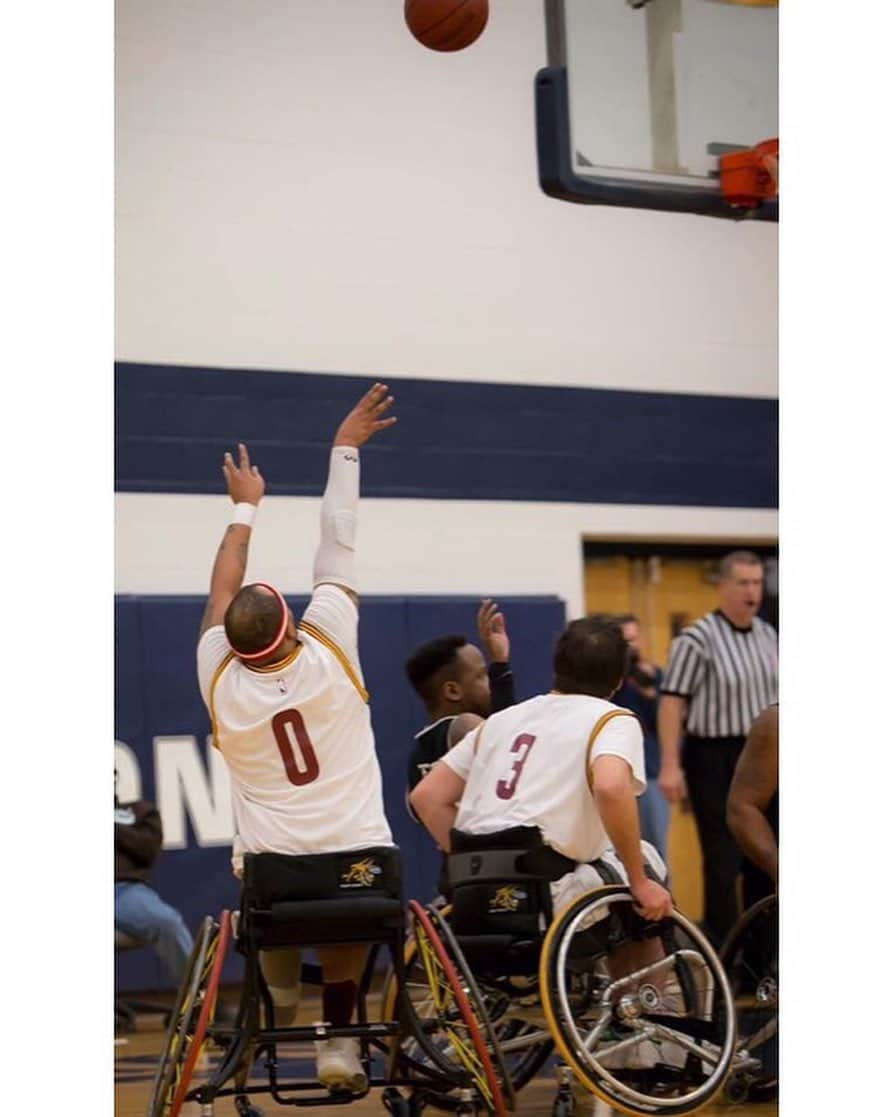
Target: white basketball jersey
{"type": "Point", "coordinates": [297, 737]}
{"type": "Point", "coordinates": [530, 765]}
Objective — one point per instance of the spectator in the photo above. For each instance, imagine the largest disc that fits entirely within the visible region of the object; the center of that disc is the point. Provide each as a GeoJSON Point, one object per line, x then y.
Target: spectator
{"type": "Point", "coordinates": [723, 671]}
{"type": "Point", "coordinates": [139, 910]}
{"type": "Point", "coordinates": [639, 693]}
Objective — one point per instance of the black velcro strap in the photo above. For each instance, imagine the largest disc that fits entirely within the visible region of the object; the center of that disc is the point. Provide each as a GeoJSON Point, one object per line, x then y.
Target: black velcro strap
{"type": "Point", "coordinates": [515, 854]}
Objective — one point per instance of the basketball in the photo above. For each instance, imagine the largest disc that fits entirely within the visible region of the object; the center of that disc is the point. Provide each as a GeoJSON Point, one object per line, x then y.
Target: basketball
{"type": "Point", "coordinates": [446, 25]}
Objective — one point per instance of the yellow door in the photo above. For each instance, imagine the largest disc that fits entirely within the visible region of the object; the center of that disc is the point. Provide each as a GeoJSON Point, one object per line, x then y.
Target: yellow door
{"type": "Point", "coordinates": [665, 594]}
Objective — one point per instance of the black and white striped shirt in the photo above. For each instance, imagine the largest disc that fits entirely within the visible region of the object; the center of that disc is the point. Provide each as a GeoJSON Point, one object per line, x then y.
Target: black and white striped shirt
{"type": "Point", "coordinates": [728, 674]}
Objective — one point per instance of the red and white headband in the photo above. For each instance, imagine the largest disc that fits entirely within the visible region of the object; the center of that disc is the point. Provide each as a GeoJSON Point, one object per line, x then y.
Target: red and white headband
{"type": "Point", "coordinates": [277, 639]}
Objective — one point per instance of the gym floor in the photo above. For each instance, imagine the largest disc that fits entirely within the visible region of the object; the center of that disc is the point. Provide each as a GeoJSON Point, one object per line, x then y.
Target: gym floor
{"type": "Point", "coordinates": [136, 1059]}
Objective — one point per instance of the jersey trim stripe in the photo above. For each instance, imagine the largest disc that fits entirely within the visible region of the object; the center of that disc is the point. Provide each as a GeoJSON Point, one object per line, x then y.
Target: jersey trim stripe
{"type": "Point", "coordinates": [273, 668]}
{"type": "Point", "coordinates": [599, 726]}
{"type": "Point", "coordinates": [328, 642]}
{"type": "Point", "coordinates": [224, 663]}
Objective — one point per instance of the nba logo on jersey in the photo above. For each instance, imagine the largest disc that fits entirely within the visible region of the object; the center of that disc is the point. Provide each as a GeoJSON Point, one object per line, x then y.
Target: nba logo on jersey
{"type": "Point", "coordinates": [507, 898]}
{"type": "Point", "coordinates": [361, 874]}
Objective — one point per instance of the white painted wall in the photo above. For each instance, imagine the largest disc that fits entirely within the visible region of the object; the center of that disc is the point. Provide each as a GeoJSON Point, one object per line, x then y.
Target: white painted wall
{"type": "Point", "coordinates": [166, 543]}
{"type": "Point", "coordinates": [300, 185]}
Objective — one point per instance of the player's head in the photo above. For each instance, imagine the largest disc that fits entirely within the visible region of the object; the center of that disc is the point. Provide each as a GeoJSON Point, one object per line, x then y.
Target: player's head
{"type": "Point", "coordinates": [450, 676]}
{"type": "Point", "coordinates": [259, 625]}
{"type": "Point", "coordinates": [741, 586]}
{"type": "Point", "coordinates": [590, 657]}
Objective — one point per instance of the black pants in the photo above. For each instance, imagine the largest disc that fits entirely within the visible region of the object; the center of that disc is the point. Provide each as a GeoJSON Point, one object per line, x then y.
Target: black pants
{"type": "Point", "coordinates": [709, 764]}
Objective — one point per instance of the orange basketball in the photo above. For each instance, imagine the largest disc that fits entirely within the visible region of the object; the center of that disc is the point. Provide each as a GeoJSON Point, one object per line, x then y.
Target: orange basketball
{"type": "Point", "coordinates": [446, 24]}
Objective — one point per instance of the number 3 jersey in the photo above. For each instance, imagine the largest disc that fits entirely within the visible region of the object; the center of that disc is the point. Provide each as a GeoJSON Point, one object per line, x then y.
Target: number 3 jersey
{"type": "Point", "coordinates": [531, 765]}
{"type": "Point", "coordinates": [297, 737]}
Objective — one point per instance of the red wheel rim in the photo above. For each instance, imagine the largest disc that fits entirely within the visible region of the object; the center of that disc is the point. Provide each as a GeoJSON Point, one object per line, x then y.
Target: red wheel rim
{"type": "Point", "coordinates": [480, 1047]}
{"type": "Point", "coordinates": [204, 1016]}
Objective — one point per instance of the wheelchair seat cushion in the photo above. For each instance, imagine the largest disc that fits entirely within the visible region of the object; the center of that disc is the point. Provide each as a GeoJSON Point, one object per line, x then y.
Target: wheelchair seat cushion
{"type": "Point", "coordinates": [310, 899]}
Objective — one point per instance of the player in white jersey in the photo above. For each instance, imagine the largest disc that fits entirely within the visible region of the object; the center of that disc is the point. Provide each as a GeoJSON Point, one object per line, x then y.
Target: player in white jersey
{"type": "Point", "coordinates": [289, 713]}
{"type": "Point", "coordinates": [570, 763]}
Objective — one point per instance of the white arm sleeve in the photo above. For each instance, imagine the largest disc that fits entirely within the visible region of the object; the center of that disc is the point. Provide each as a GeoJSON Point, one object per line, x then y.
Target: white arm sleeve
{"type": "Point", "coordinates": [334, 560]}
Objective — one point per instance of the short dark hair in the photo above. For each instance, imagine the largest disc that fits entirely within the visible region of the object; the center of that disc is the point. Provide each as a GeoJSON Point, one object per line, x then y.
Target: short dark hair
{"type": "Point", "coordinates": [626, 618]}
{"type": "Point", "coordinates": [252, 619]}
{"type": "Point", "coordinates": [427, 661]}
{"type": "Point", "coordinates": [737, 558]}
{"type": "Point", "coordinates": [590, 657]}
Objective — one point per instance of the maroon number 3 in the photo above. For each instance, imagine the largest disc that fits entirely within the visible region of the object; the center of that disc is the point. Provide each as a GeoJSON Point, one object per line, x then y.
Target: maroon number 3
{"type": "Point", "coordinates": [505, 789]}
{"type": "Point", "coordinates": [281, 723]}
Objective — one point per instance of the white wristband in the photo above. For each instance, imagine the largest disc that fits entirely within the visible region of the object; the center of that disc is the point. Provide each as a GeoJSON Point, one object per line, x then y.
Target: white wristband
{"type": "Point", "coordinates": [244, 513]}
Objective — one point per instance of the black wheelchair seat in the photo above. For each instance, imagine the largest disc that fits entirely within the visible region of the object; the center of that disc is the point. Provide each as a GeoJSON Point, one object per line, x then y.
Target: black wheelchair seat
{"type": "Point", "coordinates": [308, 899]}
{"type": "Point", "coordinates": [502, 904]}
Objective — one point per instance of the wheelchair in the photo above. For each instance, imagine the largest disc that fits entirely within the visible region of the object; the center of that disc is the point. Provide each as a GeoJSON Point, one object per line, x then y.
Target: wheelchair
{"type": "Point", "coordinates": [639, 1013]}
{"type": "Point", "coordinates": [339, 898]}
{"type": "Point", "coordinates": [750, 957]}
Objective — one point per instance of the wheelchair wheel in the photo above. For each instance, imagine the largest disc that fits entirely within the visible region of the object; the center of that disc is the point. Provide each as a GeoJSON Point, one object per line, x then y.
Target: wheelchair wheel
{"type": "Point", "coordinates": [196, 1002]}
{"type": "Point", "coordinates": [464, 1041]}
{"type": "Point", "coordinates": [524, 1044]}
{"type": "Point", "coordinates": [750, 956]}
{"type": "Point", "coordinates": [641, 1012]}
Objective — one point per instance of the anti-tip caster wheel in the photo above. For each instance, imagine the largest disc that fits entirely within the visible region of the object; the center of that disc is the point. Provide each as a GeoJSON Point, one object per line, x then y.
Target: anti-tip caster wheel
{"type": "Point", "coordinates": [245, 1109]}
{"type": "Point", "coordinates": [737, 1088]}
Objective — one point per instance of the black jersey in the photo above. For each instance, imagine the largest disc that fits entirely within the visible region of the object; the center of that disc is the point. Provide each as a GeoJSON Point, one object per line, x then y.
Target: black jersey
{"type": "Point", "coordinates": [431, 743]}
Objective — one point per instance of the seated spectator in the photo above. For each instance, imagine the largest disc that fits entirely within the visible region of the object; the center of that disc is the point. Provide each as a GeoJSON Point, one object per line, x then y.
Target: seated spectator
{"type": "Point", "coordinates": [139, 910]}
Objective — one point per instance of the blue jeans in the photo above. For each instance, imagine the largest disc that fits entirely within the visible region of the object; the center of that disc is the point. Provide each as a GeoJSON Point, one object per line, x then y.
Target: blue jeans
{"type": "Point", "coordinates": [141, 912]}
{"type": "Point", "coordinates": [654, 817]}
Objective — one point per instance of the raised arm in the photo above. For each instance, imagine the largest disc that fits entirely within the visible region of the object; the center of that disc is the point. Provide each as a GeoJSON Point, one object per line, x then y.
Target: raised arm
{"type": "Point", "coordinates": [334, 561]}
{"type": "Point", "coordinates": [495, 639]}
{"type": "Point", "coordinates": [753, 785]}
{"type": "Point", "coordinates": [245, 486]}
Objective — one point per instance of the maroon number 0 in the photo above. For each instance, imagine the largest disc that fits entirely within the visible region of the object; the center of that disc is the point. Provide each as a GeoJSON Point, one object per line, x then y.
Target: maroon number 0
{"type": "Point", "coordinates": [281, 723]}
{"type": "Point", "coordinates": [506, 789]}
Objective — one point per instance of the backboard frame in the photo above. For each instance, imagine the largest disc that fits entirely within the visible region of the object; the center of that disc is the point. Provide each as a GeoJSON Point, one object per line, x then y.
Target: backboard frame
{"type": "Point", "coordinates": [558, 177]}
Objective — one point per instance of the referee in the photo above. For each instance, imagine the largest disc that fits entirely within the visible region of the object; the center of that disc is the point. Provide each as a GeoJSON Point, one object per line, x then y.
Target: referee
{"type": "Point", "coordinates": [723, 672]}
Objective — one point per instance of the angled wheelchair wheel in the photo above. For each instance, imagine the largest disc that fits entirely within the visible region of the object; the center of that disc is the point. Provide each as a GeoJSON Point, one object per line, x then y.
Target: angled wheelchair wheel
{"type": "Point", "coordinates": [750, 957]}
{"type": "Point", "coordinates": [513, 1009]}
{"type": "Point", "coordinates": [463, 1040]}
{"type": "Point", "coordinates": [186, 1032]}
{"type": "Point", "coordinates": [641, 1012]}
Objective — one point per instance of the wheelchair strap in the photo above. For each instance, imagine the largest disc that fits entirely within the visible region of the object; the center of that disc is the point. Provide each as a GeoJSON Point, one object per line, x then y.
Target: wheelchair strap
{"type": "Point", "coordinates": [482, 865]}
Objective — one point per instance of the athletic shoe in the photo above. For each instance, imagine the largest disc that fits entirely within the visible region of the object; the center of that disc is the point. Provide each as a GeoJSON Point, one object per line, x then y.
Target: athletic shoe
{"type": "Point", "coordinates": [338, 1065]}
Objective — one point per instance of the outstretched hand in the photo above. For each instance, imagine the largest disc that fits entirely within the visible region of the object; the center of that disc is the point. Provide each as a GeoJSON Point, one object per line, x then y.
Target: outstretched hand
{"type": "Point", "coordinates": [366, 418]}
{"type": "Point", "coordinates": [244, 482]}
{"type": "Point", "coordinates": [491, 629]}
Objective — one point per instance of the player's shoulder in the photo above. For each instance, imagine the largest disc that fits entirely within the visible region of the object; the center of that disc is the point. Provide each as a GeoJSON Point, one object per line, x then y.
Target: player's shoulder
{"type": "Point", "coordinates": [519, 712]}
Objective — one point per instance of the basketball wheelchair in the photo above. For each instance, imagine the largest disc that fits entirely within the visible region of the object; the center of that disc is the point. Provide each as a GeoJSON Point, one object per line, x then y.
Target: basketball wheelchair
{"type": "Point", "coordinates": [638, 1013]}
{"type": "Point", "coordinates": [313, 900]}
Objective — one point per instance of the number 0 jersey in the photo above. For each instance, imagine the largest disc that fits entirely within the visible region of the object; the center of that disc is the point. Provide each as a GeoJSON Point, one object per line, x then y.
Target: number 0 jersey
{"type": "Point", "coordinates": [297, 737]}
{"type": "Point", "coordinates": [531, 765]}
